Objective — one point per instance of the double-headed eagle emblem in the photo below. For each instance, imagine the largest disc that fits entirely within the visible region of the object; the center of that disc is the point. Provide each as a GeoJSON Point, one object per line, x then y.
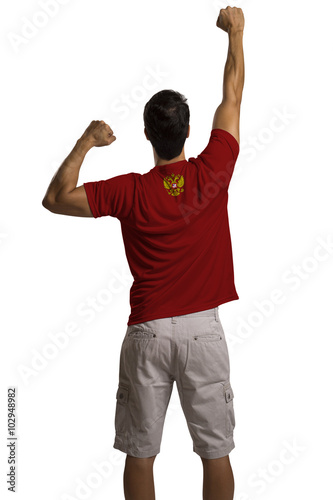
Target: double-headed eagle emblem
{"type": "Point", "coordinates": [174, 184]}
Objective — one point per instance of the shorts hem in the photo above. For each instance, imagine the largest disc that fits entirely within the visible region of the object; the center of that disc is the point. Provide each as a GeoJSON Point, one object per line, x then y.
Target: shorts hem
{"type": "Point", "coordinates": [214, 454]}
{"type": "Point", "coordinates": [136, 453]}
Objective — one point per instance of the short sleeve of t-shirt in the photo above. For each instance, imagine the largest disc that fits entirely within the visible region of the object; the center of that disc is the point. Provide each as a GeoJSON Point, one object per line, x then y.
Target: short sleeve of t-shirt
{"type": "Point", "coordinates": [112, 197]}
{"type": "Point", "coordinates": [220, 154]}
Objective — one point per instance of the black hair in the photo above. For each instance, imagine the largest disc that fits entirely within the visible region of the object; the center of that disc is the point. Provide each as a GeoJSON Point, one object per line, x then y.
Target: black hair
{"type": "Point", "coordinates": [166, 118]}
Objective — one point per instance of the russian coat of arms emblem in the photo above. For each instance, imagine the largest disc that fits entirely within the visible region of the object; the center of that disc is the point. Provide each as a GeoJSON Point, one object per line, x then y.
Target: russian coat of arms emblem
{"type": "Point", "coordinates": [174, 184]}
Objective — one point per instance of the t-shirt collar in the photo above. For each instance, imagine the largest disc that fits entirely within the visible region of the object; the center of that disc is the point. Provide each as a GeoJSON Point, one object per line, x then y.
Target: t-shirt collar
{"type": "Point", "coordinates": [169, 167]}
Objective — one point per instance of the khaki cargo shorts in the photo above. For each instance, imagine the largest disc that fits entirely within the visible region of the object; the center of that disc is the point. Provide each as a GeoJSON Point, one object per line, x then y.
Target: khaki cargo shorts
{"type": "Point", "coordinates": [190, 349]}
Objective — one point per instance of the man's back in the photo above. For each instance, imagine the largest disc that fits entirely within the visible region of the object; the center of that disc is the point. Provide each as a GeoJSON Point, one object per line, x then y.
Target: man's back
{"type": "Point", "coordinates": [175, 229]}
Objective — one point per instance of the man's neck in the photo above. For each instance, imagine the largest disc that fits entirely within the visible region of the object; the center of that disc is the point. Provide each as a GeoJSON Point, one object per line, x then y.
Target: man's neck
{"type": "Point", "coordinates": [159, 161]}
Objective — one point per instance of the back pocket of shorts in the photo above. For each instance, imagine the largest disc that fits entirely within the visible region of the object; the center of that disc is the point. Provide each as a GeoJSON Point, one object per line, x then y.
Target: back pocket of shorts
{"type": "Point", "coordinates": [140, 335]}
{"type": "Point", "coordinates": [208, 337]}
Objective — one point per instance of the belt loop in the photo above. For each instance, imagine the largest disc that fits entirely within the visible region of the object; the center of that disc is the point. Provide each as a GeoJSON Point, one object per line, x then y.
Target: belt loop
{"type": "Point", "coordinates": [216, 314]}
{"type": "Point", "coordinates": [173, 319]}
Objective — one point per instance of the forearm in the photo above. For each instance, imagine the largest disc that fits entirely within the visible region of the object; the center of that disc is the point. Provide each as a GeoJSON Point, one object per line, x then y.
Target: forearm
{"type": "Point", "coordinates": [66, 177]}
{"type": "Point", "coordinates": [234, 71]}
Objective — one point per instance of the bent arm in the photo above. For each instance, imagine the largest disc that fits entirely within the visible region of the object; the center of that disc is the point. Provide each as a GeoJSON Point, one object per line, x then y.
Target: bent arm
{"type": "Point", "coordinates": [62, 195]}
{"type": "Point", "coordinates": [227, 114]}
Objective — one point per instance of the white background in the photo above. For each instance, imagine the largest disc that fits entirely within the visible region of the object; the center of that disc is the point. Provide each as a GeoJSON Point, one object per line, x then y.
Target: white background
{"type": "Point", "coordinates": [89, 60]}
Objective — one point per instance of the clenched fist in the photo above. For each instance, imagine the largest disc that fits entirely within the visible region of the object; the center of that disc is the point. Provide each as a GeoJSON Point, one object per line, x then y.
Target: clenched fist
{"type": "Point", "coordinates": [231, 18]}
{"type": "Point", "coordinates": [99, 134]}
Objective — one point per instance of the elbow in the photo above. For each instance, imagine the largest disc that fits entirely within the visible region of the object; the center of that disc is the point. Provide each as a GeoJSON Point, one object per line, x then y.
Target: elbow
{"type": "Point", "coordinates": [239, 93]}
{"type": "Point", "coordinates": [48, 204]}
{"type": "Point", "coordinates": [239, 96]}
{"type": "Point", "coordinates": [45, 202]}
{"type": "Point", "coordinates": [236, 98]}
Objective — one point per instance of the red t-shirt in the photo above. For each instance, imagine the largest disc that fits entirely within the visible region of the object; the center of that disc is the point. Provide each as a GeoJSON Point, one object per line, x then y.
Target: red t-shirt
{"type": "Point", "coordinates": [175, 228]}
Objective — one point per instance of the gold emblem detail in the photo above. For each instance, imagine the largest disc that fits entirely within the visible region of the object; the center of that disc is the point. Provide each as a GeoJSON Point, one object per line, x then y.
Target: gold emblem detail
{"type": "Point", "coordinates": [174, 184]}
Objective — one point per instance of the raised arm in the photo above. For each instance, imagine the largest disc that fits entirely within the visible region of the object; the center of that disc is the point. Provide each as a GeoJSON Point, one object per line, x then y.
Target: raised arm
{"type": "Point", "coordinates": [63, 196]}
{"type": "Point", "coordinates": [231, 20]}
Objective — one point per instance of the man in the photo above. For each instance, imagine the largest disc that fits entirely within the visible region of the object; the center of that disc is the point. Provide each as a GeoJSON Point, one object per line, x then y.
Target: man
{"type": "Point", "coordinates": [176, 235]}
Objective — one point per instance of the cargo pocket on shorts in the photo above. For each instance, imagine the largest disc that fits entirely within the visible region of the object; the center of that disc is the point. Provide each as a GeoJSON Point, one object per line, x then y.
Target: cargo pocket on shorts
{"type": "Point", "coordinates": [230, 415]}
{"type": "Point", "coordinates": [121, 418]}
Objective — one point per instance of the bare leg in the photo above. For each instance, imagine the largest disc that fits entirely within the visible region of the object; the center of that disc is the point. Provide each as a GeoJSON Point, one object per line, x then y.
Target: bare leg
{"type": "Point", "coordinates": [139, 479]}
{"type": "Point", "coordinates": [218, 482]}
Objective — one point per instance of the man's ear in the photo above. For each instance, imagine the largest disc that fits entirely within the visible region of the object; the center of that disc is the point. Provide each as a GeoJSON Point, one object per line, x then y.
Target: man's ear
{"type": "Point", "coordinates": [146, 134]}
{"type": "Point", "coordinates": [188, 132]}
